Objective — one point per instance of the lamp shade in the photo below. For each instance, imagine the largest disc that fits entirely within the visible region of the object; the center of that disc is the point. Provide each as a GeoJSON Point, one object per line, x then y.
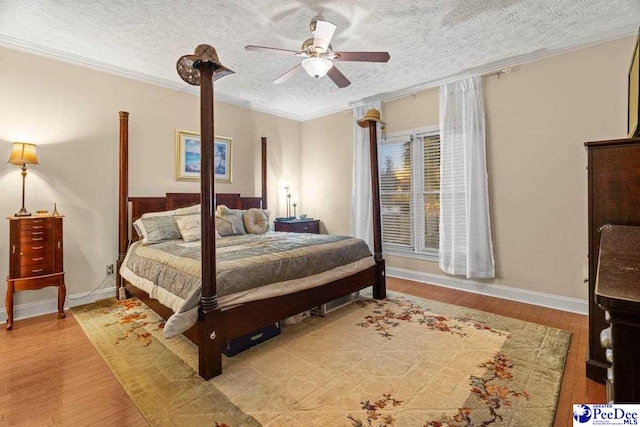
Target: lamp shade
{"type": "Point", "coordinates": [23, 153]}
{"type": "Point", "coordinates": [317, 67]}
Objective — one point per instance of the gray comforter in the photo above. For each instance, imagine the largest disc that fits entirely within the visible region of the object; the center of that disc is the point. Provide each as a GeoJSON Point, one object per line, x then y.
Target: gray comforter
{"type": "Point", "coordinates": [245, 262]}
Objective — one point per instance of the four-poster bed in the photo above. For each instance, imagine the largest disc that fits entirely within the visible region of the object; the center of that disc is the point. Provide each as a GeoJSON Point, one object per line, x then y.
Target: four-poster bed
{"type": "Point", "coordinates": [216, 325]}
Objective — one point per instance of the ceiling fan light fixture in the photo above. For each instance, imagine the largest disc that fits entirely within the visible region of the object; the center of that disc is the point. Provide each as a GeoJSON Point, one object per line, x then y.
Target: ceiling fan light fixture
{"type": "Point", "coordinates": [317, 67]}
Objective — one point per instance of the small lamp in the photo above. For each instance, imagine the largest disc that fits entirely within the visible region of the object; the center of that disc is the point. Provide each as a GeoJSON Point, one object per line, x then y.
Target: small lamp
{"type": "Point", "coordinates": [23, 154]}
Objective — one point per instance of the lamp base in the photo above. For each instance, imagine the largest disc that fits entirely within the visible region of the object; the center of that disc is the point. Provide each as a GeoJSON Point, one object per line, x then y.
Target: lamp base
{"type": "Point", "coordinates": [22, 212]}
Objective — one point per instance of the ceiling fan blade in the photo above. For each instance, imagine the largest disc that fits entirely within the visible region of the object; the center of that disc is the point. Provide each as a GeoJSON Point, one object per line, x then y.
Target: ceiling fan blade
{"type": "Point", "coordinates": [363, 56]}
{"type": "Point", "coordinates": [286, 76]}
{"type": "Point", "coordinates": [286, 52]}
{"type": "Point", "coordinates": [338, 78]}
{"type": "Point", "coordinates": [323, 34]}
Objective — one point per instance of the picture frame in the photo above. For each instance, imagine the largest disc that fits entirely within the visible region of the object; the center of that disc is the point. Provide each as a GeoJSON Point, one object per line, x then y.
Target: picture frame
{"type": "Point", "coordinates": [633, 119]}
{"type": "Point", "coordinates": [188, 157]}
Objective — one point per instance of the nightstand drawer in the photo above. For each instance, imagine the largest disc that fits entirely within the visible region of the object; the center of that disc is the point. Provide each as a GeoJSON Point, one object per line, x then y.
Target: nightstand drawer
{"type": "Point", "coordinates": [299, 226]}
{"type": "Point", "coordinates": [36, 269]}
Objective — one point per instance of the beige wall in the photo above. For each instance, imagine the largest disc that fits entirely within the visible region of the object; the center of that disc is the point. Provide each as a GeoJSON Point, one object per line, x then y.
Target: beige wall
{"type": "Point", "coordinates": [537, 120]}
{"type": "Point", "coordinates": [71, 113]}
{"type": "Point", "coordinates": [327, 162]}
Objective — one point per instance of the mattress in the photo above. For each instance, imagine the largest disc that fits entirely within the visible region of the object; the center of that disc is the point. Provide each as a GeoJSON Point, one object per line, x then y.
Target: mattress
{"type": "Point", "coordinates": [248, 267]}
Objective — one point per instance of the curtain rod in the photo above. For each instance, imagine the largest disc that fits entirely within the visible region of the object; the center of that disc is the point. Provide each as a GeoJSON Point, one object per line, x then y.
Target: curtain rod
{"type": "Point", "coordinates": [413, 90]}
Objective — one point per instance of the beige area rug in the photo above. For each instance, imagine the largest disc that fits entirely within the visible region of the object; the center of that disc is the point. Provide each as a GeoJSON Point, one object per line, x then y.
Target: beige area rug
{"type": "Point", "coordinates": [401, 362]}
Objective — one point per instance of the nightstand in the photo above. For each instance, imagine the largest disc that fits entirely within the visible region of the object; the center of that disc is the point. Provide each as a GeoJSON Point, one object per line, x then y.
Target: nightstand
{"type": "Point", "coordinates": [35, 258]}
{"type": "Point", "coordinates": [299, 226]}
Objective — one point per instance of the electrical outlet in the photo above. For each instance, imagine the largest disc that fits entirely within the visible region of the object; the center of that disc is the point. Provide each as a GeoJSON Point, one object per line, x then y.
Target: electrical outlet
{"type": "Point", "coordinates": [109, 269]}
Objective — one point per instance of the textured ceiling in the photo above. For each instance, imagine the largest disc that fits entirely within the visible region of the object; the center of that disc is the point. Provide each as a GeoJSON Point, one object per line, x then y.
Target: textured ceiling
{"type": "Point", "coordinates": [427, 40]}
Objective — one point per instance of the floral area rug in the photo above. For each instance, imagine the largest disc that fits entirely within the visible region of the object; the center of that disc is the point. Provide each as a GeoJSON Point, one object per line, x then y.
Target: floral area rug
{"type": "Point", "coordinates": [400, 362]}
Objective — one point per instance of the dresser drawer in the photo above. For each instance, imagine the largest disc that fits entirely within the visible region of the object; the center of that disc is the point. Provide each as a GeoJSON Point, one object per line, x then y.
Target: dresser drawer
{"type": "Point", "coordinates": [39, 257]}
{"type": "Point", "coordinates": [36, 259]}
{"type": "Point", "coordinates": [36, 224]}
{"type": "Point", "coordinates": [37, 248]}
{"type": "Point", "coordinates": [36, 269]}
{"type": "Point", "coordinates": [29, 236]}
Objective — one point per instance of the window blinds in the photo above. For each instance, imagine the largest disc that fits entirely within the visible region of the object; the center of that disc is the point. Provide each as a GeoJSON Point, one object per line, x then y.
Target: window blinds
{"type": "Point", "coordinates": [396, 193]}
{"type": "Point", "coordinates": [410, 193]}
{"type": "Point", "coordinates": [431, 193]}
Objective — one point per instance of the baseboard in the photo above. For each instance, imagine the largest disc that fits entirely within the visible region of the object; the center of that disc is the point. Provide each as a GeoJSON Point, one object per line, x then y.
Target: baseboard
{"type": "Point", "coordinates": [542, 299]}
{"type": "Point", "coordinates": [33, 309]}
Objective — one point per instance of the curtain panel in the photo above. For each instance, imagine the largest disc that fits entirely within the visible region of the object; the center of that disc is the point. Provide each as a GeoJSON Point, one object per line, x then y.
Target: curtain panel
{"type": "Point", "coordinates": [361, 198]}
{"type": "Point", "coordinates": [465, 233]}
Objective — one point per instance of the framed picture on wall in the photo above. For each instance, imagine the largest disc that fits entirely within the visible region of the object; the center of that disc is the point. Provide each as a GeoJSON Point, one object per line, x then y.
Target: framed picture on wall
{"type": "Point", "coordinates": [188, 157]}
{"type": "Point", "coordinates": [633, 129]}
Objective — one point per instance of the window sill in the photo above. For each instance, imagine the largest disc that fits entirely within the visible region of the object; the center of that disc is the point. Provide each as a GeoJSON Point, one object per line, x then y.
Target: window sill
{"type": "Point", "coordinates": [413, 255]}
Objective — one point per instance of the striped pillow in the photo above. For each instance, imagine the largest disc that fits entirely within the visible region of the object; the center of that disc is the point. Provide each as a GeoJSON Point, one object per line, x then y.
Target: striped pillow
{"type": "Point", "coordinates": [160, 228]}
{"type": "Point", "coordinates": [189, 226]}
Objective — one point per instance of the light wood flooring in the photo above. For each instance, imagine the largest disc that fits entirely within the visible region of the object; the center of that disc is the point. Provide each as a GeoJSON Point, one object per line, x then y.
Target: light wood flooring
{"type": "Point", "coordinates": [50, 373]}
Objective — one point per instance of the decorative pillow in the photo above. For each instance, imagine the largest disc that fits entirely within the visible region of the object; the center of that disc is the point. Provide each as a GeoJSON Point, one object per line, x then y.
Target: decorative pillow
{"type": "Point", "coordinates": [224, 227]}
{"type": "Point", "coordinates": [160, 228]}
{"type": "Point", "coordinates": [256, 221]}
{"type": "Point", "coordinates": [234, 216]}
{"type": "Point", "coordinates": [195, 209]}
{"type": "Point", "coordinates": [189, 226]}
{"type": "Point", "coordinates": [138, 225]}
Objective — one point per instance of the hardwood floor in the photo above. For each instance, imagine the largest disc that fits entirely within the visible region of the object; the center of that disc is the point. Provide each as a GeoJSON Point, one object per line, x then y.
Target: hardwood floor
{"type": "Point", "coordinates": [50, 373]}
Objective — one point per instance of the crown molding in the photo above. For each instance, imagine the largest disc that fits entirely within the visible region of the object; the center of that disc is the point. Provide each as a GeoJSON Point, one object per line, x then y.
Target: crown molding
{"type": "Point", "coordinates": [326, 112]}
{"type": "Point", "coordinates": [32, 48]}
{"type": "Point", "coordinates": [69, 58]}
{"type": "Point", "coordinates": [498, 66]}
{"type": "Point", "coordinates": [228, 99]}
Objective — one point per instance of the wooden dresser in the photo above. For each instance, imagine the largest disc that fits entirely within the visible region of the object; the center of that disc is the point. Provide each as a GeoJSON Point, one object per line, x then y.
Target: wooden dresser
{"type": "Point", "coordinates": [35, 258]}
{"type": "Point", "coordinates": [614, 198]}
{"type": "Point", "coordinates": [299, 226]}
{"type": "Point", "coordinates": [618, 294]}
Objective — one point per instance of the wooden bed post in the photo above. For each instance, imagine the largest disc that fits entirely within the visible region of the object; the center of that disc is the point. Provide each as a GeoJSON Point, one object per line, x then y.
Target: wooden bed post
{"type": "Point", "coordinates": [123, 201]}
{"type": "Point", "coordinates": [201, 69]}
{"type": "Point", "coordinates": [263, 144]}
{"type": "Point", "coordinates": [210, 363]}
{"type": "Point", "coordinates": [371, 120]}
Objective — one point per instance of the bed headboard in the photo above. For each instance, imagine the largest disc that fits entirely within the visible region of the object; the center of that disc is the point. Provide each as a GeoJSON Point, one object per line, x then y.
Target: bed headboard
{"type": "Point", "coordinates": [142, 205]}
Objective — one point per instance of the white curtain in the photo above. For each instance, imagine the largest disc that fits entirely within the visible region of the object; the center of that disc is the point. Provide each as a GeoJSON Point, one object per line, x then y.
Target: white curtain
{"type": "Point", "coordinates": [465, 233]}
{"type": "Point", "coordinates": [361, 200]}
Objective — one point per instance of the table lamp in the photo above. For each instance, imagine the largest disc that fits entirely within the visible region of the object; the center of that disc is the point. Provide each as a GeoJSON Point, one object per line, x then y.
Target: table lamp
{"type": "Point", "coordinates": [23, 154]}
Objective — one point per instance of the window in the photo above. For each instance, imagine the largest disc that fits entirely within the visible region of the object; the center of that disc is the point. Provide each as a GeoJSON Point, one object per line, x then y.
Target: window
{"type": "Point", "coordinates": [410, 193]}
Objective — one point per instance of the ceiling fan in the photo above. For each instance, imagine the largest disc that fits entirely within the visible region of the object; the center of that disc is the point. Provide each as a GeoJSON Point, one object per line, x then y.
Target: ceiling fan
{"type": "Point", "coordinates": [320, 56]}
